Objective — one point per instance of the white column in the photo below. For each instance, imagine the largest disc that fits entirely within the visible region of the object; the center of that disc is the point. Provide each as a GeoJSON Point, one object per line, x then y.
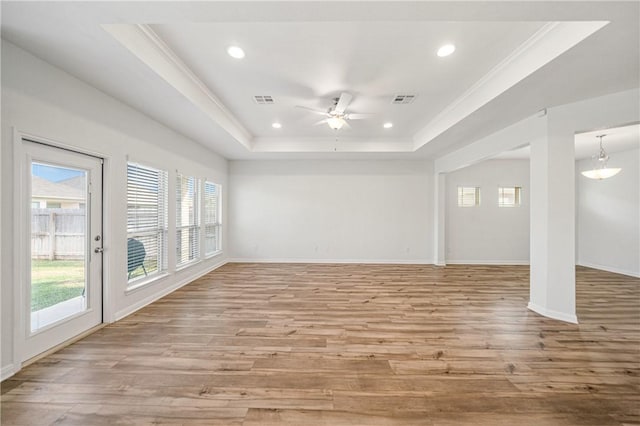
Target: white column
{"type": "Point", "coordinates": [439, 215]}
{"type": "Point", "coordinates": [552, 282]}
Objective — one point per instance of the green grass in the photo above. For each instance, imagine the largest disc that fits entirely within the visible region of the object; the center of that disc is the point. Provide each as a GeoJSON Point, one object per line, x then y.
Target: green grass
{"type": "Point", "coordinates": [54, 281]}
{"type": "Point", "coordinates": [149, 263]}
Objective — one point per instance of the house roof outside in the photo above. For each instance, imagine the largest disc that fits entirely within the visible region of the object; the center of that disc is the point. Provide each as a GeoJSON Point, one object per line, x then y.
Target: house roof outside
{"type": "Point", "coordinates": [42, 188]}
{"type": "Point", "coordinates": [77, 182]}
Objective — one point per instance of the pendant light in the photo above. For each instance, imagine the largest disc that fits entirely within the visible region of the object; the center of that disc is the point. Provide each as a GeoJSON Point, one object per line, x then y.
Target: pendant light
{"type": "Point", "coordinates": [600, 170]}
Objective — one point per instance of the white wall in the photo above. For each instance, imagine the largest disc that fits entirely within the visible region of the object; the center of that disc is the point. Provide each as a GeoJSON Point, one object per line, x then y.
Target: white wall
{"type": "Point", "coordinates": [488, 234]}
{"type": "Point", "coordinates": [42, 100]}
{"type": "Point", "coordinates": [365, 211]}
{"type": "Point", "coordinates": [608, 211]}
{"type": "Point", "coordinates": [522, 133]}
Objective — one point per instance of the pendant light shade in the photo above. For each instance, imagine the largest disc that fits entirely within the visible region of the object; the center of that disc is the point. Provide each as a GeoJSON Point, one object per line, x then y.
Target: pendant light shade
{"type": "Point", "coordinates": [601, 173]}
{"type": "Point", "coordinates": [600, 170]}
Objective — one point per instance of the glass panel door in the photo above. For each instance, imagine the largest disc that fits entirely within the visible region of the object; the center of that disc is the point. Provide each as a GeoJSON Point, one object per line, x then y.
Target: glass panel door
{"type": "Point", "coordinates": [58, 243]}
{"type": "Point", "coordinates": [61, 246]}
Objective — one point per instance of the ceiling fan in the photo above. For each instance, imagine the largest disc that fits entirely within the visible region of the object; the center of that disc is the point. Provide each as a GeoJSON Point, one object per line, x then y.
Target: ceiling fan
{"type": "Point", "coordinates": [336, 117]}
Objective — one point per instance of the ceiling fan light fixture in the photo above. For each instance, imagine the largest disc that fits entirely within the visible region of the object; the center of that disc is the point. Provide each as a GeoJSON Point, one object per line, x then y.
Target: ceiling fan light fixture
{"type": "Point", "coordinates": [387, 125]}
{"type": "Point", "coordinates": [446, 50]}
{"type": "Point", "coordinates": [235, 52]}
{"type": "Point", "coordinates": [335, 123]}
{"type": "Point", "coordinates": [600, 170]}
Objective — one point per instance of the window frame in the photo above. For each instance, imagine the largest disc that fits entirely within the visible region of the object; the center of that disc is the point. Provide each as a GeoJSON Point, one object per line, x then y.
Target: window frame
{"type": "Point", "coordinates": [217, 224]}
{"type": "Point", "coordinates": [163, 248]}
{"type": "Point", "coordinates": [197, 225]}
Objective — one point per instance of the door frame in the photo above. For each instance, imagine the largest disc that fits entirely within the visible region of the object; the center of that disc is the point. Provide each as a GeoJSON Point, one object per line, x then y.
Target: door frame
{"type": "Point", "coordinates": [20, 244]}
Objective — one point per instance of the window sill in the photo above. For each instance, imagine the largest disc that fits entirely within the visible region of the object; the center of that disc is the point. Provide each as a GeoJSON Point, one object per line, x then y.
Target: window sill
{"type": "Point", "coordinates": [214, 254]}
{"type": "Point", "coordinates": [188, 265]}
{"type": "Point", "coordinates": [145, 282]}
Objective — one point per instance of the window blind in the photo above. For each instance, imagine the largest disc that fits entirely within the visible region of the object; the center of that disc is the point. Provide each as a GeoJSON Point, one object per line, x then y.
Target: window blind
{"type": "Point", "coordinates": [147, 212]}
{"type": "Point", "coordinates": [211, 218]}
{"type": "Point", "coordinates": [187, 219]}
{"type": "Point", "coordinates": [468, 196]}
{"type": "Point", "coordinates": [509, 196]}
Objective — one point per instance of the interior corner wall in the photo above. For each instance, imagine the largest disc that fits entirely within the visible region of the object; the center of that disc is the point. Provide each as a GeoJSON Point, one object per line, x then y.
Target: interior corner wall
{"type": "Point", "coordinates": [42, 100]}
{"type": "Point", "coordinates": [331, 211]}
{"type": "Point", "coordinates": [608, 216]}
{"type": "Point", "coordinates": [488, 234]}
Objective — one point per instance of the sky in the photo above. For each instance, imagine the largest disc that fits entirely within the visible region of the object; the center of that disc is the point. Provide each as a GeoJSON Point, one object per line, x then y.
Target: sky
{"type": "Point", "coordinates": [53, 173]}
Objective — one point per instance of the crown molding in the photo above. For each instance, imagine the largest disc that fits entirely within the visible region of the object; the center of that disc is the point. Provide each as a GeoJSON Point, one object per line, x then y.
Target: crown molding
{"type": "Point", "coordinates": [551, 41]}
{"type": "Point", "coordinates": [331, 145]}
{"type": "Point", "coordinates": [147, 46]}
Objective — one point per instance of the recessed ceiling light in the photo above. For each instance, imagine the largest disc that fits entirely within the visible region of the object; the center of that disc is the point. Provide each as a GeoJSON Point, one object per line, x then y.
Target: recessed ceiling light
{"type": "Point", "coordinates": [446, 50]}
{"type": "Point", "coordinates": [235, 52]}
{"type": "Point", "coordinates": [276, 125]}
{"type": "Point", "coordinates": [387, 125]}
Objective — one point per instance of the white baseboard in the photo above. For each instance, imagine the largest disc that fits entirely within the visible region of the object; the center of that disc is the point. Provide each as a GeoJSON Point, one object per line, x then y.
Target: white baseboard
{"type": "Point", "coordinates": [160, 294]}
{"type": "Point", "coordinates": [7, 371]}
{"type": "Point", "coordinates": [549, 313]}
{"type": "Point", "coordinates": [487, 262]}
{"type": "Point", "coordinates": [634, 274]}
{"type": "Point", "coordinates": [379, 261]}
{"type": "Point", "coordinates": [360, 261]}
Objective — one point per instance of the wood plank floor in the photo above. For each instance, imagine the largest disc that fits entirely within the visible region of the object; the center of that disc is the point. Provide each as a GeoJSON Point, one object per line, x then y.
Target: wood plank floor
{"type": "Point", "coordinates": [293, 344]}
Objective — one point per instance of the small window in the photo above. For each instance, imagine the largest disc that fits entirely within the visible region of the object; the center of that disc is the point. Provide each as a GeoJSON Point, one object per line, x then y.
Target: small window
{"type": "Point", "coordinates": [509, 196]}
{"type": "Point", "coordinates": [468, 196]}
{"type": "Point", "coordinates": [53, 205]}
{"type": "Point", "coordinates": [35, 204]}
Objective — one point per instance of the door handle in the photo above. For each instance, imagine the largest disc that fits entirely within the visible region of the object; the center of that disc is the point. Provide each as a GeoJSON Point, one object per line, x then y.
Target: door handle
{"type": "Point", "coordinates": [98, 250]}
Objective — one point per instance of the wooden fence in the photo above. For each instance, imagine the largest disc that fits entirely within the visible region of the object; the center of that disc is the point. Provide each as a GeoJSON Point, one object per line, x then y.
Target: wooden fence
{"type": "Point", "coordinates": [58, 234]}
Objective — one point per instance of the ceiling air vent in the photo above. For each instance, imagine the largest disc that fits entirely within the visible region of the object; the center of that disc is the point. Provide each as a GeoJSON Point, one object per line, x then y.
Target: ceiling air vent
{"type": "Point", "coordinates": [403, 99]}
{"type": "Point", "coordinates": [263, 99]}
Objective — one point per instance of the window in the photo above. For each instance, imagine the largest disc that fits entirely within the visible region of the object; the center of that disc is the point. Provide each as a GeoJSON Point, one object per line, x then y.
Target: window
{"type": "Point", "coordinates": [211, 218]}
{"type": "Point", "coordinates": [53, 205]}
{"type": "Point", "coordinates": [187, 220]}
{"type": "Point", "coordinates": [509, 196]}
{"type": "Point", "coordinates": [468, 196]}
{"type": "Point", "coordinates": [147, 211]}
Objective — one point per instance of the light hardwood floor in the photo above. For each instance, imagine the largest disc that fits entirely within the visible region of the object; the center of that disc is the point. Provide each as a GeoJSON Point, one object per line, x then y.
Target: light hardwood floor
{"type": "Point", "coordinates": [262, 344]}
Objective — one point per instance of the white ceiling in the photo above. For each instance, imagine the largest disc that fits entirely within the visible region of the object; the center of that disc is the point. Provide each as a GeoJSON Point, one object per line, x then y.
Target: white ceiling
{"type": "Point", "coordinates": [310, 63]}
{"type": "Point", "coordinates": [305, 53]}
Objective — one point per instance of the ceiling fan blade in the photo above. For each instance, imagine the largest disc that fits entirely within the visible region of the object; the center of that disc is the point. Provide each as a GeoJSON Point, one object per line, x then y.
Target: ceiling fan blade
{"type": "Point", "coordinates": [320, 122]}
{"type": "Point", "coordinates": [343, 102]}
{"type": "Point", "coordinates": [358, 116]}
{"type": "Point", "coordinates": [315, 111]}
